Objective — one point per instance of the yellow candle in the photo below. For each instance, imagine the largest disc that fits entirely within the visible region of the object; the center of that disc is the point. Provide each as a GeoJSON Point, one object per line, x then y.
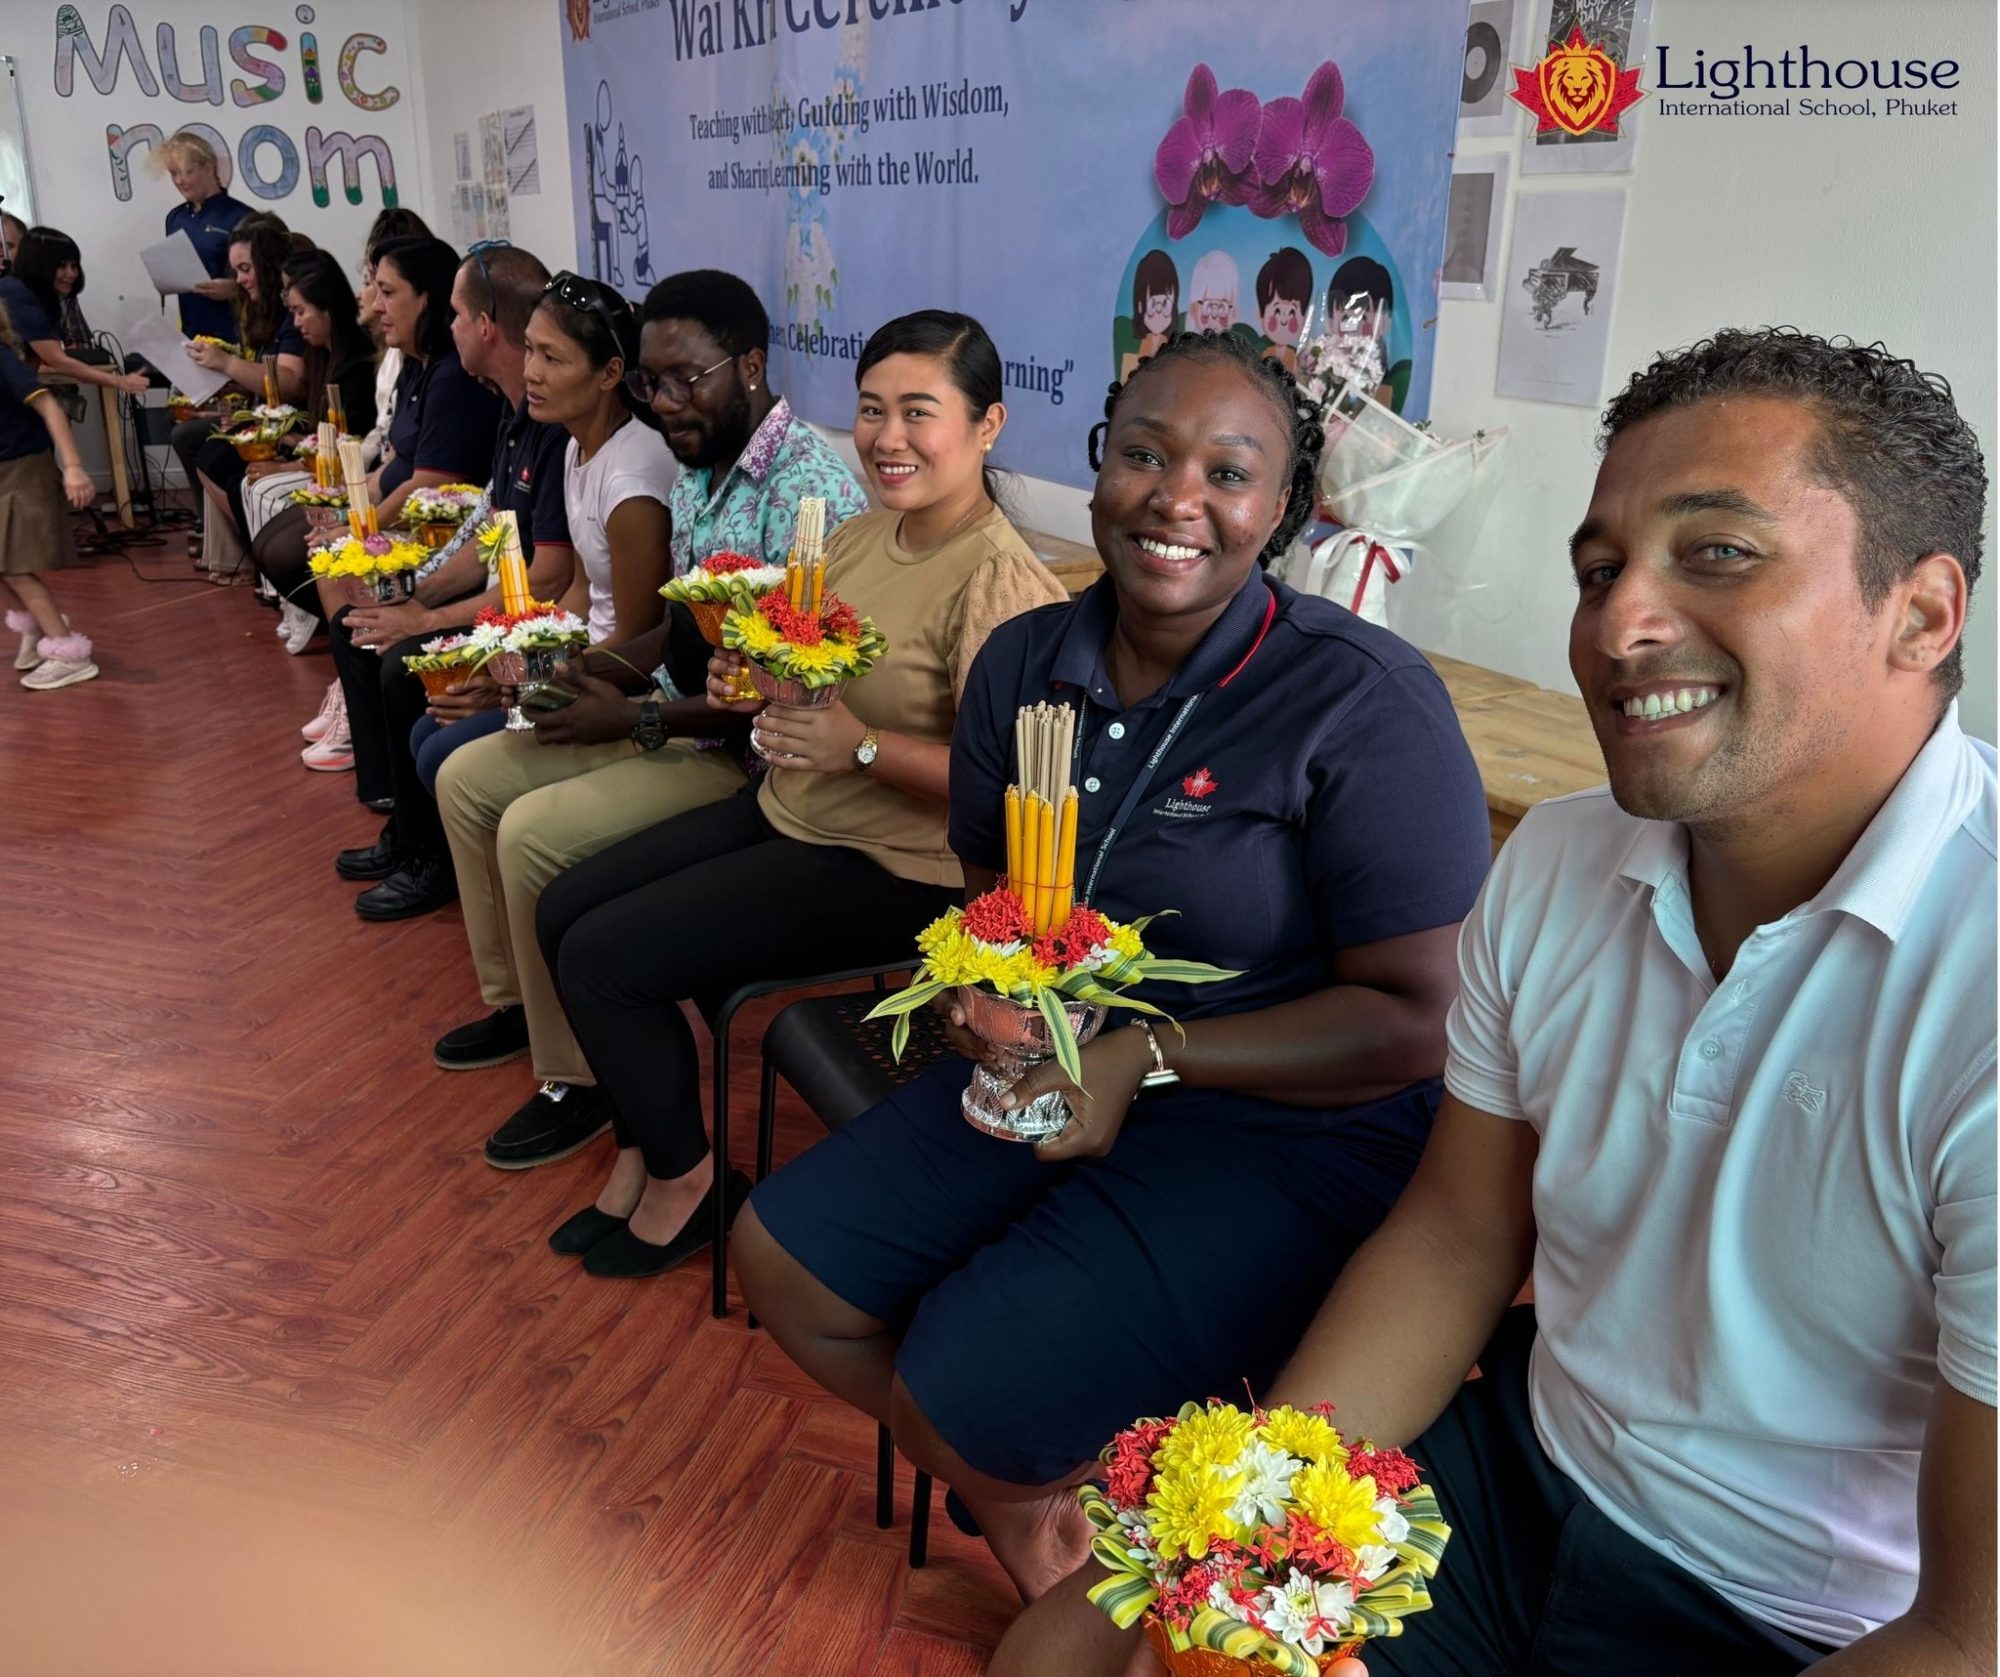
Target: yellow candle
{"type": "Point", "coordinates": [374, 529]}
{"type": "Point", "coordinates": [1014, 836]}
{"type": "Point", "coordinates": [819, 587]}
{"type": "Point", "coordinates": [1024, 885]}
{"type": "Point", "coordinates": [354, 526]}
{"type": "Point", "coordinates": [1045, 864]}
{"type": "Point", "coordinates": [270, 384]}
{"type": "Point", "coordinates": [1065, 860]}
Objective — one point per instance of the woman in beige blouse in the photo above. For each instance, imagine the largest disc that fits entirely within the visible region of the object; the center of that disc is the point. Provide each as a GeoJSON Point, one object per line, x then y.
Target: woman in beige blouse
{"type": "Point", "coordinates": [839, 856]}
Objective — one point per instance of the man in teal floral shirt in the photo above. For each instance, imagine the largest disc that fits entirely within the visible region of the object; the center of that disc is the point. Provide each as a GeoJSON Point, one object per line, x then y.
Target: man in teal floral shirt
{"type": "Point", "coordinates": [622, 758]}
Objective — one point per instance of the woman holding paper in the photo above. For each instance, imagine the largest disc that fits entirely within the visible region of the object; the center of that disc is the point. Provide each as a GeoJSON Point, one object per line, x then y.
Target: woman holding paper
{"type": "Point", "coordinates": [840, 855]}
{"type": "Point", "coordinates": [208, 216]}
{"type": "Point", "coordinates": [1288, 788]}
{"type": "Point", "coordinates": [271, 364]}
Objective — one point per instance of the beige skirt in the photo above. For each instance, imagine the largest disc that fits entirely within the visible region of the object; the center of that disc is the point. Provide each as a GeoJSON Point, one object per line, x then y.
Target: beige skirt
{"type": "Point", "coordinates": [34, 521]}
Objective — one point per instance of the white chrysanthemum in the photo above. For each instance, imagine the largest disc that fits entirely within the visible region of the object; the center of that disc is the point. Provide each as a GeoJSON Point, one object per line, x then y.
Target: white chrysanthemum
{"type": "Point", "coordinates": [1374, 1559]}
{"type": "Point", "coordinates": [1393, 1527]}
{"type": "Point", "coordinates": [1267, 1483]}
{"type": "Point", "coordinates": [1310, 1616]}
{"type": "Point", "coordinates": [1226, 1604]}
{"type": "Point", "coordinates": [486, 636]}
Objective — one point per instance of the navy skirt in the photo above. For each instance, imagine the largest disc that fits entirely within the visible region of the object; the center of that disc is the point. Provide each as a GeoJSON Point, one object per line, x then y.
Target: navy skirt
{"type": "Point", "coordinates": [1044, 1306]}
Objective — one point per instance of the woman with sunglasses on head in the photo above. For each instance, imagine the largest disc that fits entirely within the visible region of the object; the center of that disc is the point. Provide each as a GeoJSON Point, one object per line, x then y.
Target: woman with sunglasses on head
{"type": "Point", "coordinates": [617, 475]}
{"type": "Point", "coordinates": [840, 855]}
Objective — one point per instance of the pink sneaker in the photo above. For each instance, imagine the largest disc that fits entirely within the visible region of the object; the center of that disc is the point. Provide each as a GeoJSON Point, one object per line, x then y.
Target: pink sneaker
{"type": "Point", "coordinates": [334, 704]}
{"type": "Point", "coordinates": [333, 751]}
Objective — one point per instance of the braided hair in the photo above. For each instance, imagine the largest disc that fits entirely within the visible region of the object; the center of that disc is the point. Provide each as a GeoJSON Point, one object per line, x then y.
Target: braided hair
{"type": "Point", "coordinates": [1302, 416]}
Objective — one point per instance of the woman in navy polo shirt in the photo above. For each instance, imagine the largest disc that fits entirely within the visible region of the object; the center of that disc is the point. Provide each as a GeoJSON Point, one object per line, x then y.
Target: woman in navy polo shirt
{"type": "Point", "coordinates": [1293, 782]}
{"type": "Point", "coordinates": [208, 215]}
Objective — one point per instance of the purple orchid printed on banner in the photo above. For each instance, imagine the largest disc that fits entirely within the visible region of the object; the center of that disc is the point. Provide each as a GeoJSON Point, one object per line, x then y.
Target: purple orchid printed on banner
{"type": "Point", "coordinates": [1207, 155]}
{"type": "Point", "coordinates": [1312, 162]}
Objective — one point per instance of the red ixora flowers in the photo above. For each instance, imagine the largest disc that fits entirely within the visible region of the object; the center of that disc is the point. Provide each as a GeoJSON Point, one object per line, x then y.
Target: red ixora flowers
{"type": "Point", "coordinates": [494, 617]}
{"type": "Point", "coordinates": [1393, 1472]}
{"type": "Point", "coordinates": [724, 564]}
{"type": "Point", "coordinates": [1075, 940]}
{"type": "Point", "coordinates": [801, 628]}
{"type": "Point", "coordinates": [1314, 1552]}
{"type": "Point", "coordinates": [1130, 1475]}
{"type": "Point", "coordinates": [996, 917]}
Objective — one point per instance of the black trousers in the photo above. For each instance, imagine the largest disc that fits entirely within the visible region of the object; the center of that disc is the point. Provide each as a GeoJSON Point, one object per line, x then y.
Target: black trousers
{"type": "Point", "coordinates": [694, 907]}
{"type": "Point", "coordinates": [219, 462]}
{"type": "Point", "coordinates": [1535, 1582]}
{"type": "Point", "coordinates": [279, 553]}
{"type": "Point", "coordinates": [384, 702]}
{"type": "Point", "coordinates": [188, 439]}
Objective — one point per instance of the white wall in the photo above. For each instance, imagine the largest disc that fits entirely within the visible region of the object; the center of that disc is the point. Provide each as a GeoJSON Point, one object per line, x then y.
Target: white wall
{"type": "Point", "coordinates": [77, 187]}
{"type": "Point", "coordinates": [1876, 229]}
{"type": "Point", "coordinates": [476, 56]}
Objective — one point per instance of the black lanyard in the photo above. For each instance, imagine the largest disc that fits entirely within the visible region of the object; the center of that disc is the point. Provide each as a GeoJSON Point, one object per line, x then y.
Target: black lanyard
{"type": "Point", "coordinates": [1138, 788]}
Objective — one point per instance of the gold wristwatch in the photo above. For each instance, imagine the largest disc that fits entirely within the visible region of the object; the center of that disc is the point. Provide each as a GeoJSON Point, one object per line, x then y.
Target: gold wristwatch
{"type": "Point", "coordinates": [865, 752]}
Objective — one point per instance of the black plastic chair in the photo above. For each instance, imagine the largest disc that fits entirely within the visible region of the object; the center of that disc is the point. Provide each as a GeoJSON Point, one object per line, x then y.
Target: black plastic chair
{"type": "Point", "coordinates": [720, 1014]}
{"type": "Point", "coordinates": [840, 1065]}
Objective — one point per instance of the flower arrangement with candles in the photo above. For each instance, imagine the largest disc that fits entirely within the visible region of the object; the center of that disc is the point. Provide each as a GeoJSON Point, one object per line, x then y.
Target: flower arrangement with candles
{"type": "Point", "coordinates": [449, 503]}
{"type": "Point", "coordinates": [802, 644]}
{"type": "Point", "coordinates": [520, 648]}
{"type": "Point", "coordinates": [1034, 970]}
{"type": "Point", "coordinates": [717, 586]}
{"type": "Point", "coordinates": [386, 566]}
{"type": "Point", "coordinates": [1260, 1541]}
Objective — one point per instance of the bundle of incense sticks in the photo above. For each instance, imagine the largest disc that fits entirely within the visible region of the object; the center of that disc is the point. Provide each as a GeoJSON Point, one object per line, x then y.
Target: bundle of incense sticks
{"type": "Point", "coordinates": [326, 462]}
{"type": "Point", "coordinates": [1041, 816]}
{"type": "Point", "coordinates": [513, 567]}
{"type": "Point", "coordinates": [335, 417]}
{"type": "Point", "coordinates": [354, 471]}
{"type": "Point", "coordinates": [805, 566]}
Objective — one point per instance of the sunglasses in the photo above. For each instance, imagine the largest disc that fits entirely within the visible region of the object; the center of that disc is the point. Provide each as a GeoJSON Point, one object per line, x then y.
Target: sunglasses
{"type": "Point", "coordinates": [677, 391]}
{"type": "Point", "coordinates": [593, 298]}
{"type": "Point", "coordinates": [478, 254]}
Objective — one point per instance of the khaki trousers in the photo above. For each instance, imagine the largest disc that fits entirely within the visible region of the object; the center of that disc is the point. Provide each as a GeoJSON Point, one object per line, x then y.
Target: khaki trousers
{"type": "Point", "coordinates": [517, 814]}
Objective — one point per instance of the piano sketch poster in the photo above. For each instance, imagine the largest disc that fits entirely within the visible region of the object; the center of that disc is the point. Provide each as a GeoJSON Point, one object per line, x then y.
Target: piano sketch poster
{"type": "Point", "coordinates": [1562, 274]}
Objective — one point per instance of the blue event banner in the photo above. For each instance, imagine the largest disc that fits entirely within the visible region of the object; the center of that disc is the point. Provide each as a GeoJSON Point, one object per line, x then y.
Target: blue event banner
{"type": "Point", "coordinates": [1084, 176]}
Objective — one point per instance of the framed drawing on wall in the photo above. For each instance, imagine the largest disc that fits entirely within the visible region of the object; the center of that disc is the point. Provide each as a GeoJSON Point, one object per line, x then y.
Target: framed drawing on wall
{"type": "Point", "coordinates": [1472, 224]}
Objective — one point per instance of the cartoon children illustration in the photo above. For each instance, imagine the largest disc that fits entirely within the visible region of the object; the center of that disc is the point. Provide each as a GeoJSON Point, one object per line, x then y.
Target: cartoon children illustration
{"type": "Point", "coordinates": [1364, 276]}
{"type": "Point", "coordinates": [1156, 300]}
{"type": "Point", "coordinates": [1212, 293]}
{"type": "Point", "coordinates": [1284, 293]}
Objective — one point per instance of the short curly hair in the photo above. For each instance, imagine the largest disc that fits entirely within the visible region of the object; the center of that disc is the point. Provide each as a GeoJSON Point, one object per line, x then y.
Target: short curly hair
{"type": "Point", "coordinates": [1891, 442]}
{"type": "Point", "coordinates": [1303, 418]}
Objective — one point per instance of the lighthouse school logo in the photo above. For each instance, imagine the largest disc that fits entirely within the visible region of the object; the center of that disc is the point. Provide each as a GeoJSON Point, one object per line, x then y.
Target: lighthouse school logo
{"type": "Point", "coordinates": [1578, 87]}
{"type": "Point", "coordinates": [1194, 804]}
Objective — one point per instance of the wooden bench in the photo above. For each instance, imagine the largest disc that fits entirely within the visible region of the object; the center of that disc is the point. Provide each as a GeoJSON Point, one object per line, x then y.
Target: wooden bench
{"type": "Point", "coordinates": [1529, 743]}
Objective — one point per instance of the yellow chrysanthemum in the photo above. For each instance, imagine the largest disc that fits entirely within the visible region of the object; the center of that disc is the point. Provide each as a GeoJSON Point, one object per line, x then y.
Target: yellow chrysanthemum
{"type": "Point", "coordinates": [1211, 1437]}
{"type": "Point", "coordinates": [756, 634]}
{"type": "Point", "coordinates": [815, 659]}
{"type": "Point", "coordinates": [1341, 1507]}
{"type": "Point", "coordinates": [1300, 1433]}
{"type": "Point", "coordinates": [1188, 1508]}
{"type": "Point", "coordinates": [1125, 942]}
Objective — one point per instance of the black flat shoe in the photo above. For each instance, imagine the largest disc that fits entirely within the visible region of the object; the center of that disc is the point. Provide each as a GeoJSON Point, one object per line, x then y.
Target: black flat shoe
{"type": "Point", "coordinates": [554, 1122]}
{"type": "Point", "coordinates": [585, 1230]}
{"type": "Point", "coordinates": [369, 861]}
{"type": "Point", "coordinates": [493, 1041]}
{"type": "Point", "coordinates": [416, 887]}
{"type": "Point", "coordinates": [624, 1256]}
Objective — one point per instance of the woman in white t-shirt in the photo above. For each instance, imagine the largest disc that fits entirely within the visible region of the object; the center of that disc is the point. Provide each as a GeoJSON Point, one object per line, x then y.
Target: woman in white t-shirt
{"type": "Point", "coordinates": [617, 475]}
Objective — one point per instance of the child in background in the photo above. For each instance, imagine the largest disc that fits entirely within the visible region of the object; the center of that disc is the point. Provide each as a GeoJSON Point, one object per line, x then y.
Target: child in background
{"type": "Point", "coordinates": [1212, 293]}
{"type": "Point", "coordinates": [1284, 293]}
{"type": "Point", "coordinates": [34, 531]}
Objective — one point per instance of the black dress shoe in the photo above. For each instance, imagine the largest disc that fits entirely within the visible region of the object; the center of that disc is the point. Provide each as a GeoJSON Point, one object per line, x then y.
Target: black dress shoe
{"type": "Point", "coordinates": [381, 806]}
{"type": "Point", "coordinates": [557, 1119]}
{"type": "Point", "coordinates": [493, 1041]}
{"type": "Point", "coordinates": [369, 861]}
{"type": "Point", "coordinates": [583, 1231]}
{"type": "Point", "coordinates": [416, 887]}
{"type": "Point", "coordinates": [622, 1255]}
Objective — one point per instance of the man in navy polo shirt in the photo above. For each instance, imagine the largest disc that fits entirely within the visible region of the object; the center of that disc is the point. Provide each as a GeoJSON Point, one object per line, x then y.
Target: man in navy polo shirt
{"type": "Point", "coordinates": [497, 289]}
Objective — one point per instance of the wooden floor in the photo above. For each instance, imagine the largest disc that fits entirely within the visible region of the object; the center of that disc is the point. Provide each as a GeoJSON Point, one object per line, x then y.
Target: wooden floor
{"type": "Point", "coordinates": [289, 1381]}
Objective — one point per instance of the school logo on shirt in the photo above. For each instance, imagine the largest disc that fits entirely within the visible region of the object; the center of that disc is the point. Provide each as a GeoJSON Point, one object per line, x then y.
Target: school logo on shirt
{"type": "Point", "coordinates": [1194, 805]}
{"type": "Point", "coordinates": [1802, 1094]}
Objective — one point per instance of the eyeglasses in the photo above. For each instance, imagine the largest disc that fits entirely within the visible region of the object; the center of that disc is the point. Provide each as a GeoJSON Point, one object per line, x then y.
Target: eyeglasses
{"type": "Point", "coordinates": [678, 391]}
{"type": "Point", "coordinates": [478, 254]}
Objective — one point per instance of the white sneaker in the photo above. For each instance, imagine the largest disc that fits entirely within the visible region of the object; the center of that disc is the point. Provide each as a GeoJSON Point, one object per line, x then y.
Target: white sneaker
{"type": "Point", "coordinates": [295, 627]}
{"type": "Point", "coordinates": [64, 661]}
{"type": "Point", "coordinates": [23, 624]}
{"type": "Point", "coordinates": [333, 752]}
{"type": "Point", "coordinates": [334, 704]}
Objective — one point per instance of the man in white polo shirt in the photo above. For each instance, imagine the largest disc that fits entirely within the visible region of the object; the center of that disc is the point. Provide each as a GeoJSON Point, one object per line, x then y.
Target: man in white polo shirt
{"type": "Point", "coordinates": [1723, 1071]}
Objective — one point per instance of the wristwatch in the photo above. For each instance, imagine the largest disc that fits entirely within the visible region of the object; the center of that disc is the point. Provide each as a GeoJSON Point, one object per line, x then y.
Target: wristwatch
{"type": "Point", "coordinates": [650, 731]}
{"type": "Point", "coordinates": [871, 744]}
